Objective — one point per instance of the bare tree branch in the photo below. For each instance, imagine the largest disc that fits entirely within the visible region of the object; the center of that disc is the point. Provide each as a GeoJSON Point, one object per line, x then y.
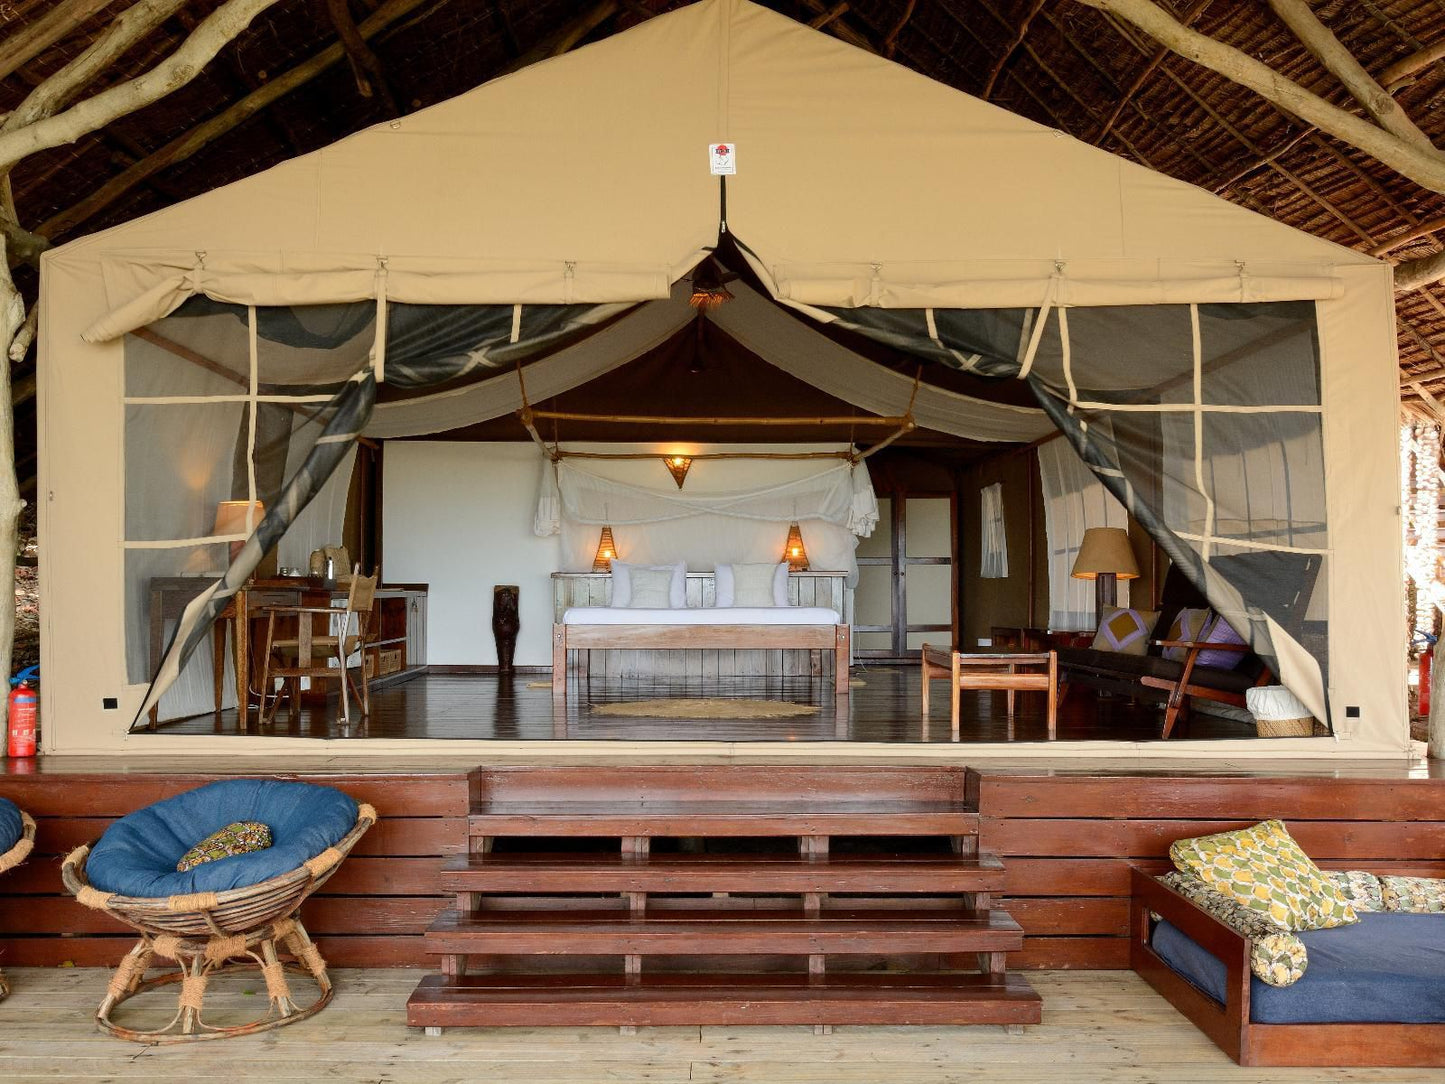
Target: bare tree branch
{"type": "Point", "coordinates": [56, 91]}
{"type": "Point", "coordinates": [1317, 38]}
{"type": "Point", "coordinates": [1422, 164]}
{"type": "Point", "coordinates": [22, 246]}
{"type": "Point", "coordinates": [214, 32]}
{"type": "Point", "coordinates": [1412, 274]}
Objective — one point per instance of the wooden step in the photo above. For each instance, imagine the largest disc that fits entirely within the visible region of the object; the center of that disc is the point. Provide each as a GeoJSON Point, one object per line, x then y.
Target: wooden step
{"type": "Point", "coordinates": [577, 931]}
{"type": "Point", "coordinates": [524, 873]}
{"type": "Point", "coordinates": [776, 817]}
{"type": "Point", "coordinates": [846, 998]}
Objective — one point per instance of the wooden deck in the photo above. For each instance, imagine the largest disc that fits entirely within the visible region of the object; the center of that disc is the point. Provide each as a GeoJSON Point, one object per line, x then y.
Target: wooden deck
{"type": "Point", "coordinates": [885, 706]}
{"type": "Point", "coordinates": [1097, 1026]}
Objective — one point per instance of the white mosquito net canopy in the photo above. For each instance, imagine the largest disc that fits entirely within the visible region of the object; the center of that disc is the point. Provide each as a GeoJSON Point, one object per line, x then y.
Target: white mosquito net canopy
{"type": "Point", "coordinates": [1231, 380]}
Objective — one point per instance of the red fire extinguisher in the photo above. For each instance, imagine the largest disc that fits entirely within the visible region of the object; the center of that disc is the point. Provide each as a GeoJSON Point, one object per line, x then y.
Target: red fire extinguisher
{"type": "Point", "coordinates": [24, 714]}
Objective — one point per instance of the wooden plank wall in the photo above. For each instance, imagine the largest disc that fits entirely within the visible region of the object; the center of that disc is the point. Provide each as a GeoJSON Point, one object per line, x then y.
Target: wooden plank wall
{"type": "Point", "coordinates": [1068, 840]}
{"type": "Point", "coordinates": [372, 912]}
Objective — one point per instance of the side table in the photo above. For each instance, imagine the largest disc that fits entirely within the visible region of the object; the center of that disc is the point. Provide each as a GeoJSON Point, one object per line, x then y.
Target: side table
{"type": "Point", "coordinates": [1013, 672]}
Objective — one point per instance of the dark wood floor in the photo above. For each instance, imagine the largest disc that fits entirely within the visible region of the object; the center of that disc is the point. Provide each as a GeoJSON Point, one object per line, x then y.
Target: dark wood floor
{"type": "Point", "coordinates": [885, 708]}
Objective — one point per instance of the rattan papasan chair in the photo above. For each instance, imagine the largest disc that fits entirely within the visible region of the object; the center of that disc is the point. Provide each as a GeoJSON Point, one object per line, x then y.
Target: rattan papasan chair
{"type": "Point", "coordinates": [17, 836]}
{"type": "Point", "coordinates": [228, 914]}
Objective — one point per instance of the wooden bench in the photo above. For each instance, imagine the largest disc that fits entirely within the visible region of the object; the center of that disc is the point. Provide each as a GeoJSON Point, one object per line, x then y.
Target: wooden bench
{"type": "Point", "coordinates": [1013, 672]}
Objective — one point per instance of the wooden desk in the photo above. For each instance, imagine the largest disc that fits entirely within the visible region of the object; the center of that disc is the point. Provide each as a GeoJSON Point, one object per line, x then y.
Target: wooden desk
{"type": "Point", "coordinates": [1013, 672]}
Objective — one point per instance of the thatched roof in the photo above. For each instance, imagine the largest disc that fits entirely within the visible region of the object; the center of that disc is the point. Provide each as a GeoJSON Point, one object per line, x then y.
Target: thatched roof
{"type": "Point", "coordinates": [1054, 61]}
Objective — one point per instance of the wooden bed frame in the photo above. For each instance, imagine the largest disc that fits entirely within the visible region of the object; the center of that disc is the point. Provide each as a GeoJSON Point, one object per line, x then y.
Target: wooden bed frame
{"type": "Point", "coordinates": [565, 638]}
{"type": "Point", "coordinates": [1229, 1024]}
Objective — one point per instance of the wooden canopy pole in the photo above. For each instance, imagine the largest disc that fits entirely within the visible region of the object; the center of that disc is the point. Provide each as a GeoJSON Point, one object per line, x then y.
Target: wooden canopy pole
{"type": "Point", "coordinates": [642, 419]}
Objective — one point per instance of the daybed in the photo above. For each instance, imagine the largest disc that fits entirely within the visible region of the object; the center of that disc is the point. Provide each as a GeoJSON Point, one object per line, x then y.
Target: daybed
{"type": "Point", "coordinates": [1373, 993]}
{"type": "Point", "coordinates": [788, 627]}
{"type": "Point", "coordinates": [1174, 681]}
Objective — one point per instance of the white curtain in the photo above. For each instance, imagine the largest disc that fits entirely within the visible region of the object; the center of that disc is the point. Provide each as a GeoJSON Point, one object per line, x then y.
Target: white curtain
{"type": "Point", "coordinates": [993, 563]}
{"type": "Point", "coordinates": [1074, 500]}
{"type": "Point", "coordinates": [706, 524]}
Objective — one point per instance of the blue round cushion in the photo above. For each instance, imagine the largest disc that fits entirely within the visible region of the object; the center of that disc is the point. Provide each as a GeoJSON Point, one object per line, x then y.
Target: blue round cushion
{"type": "Point", "coordinates": [11, 827]}
{"type": "Point", "coordinates": [137, 855]}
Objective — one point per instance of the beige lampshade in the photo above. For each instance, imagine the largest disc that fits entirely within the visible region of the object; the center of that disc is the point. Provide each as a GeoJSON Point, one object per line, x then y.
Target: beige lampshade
{"type": "Point", "coordinates": [231, 517]}
{"type": "Point", "coordinates": [1105, 549]}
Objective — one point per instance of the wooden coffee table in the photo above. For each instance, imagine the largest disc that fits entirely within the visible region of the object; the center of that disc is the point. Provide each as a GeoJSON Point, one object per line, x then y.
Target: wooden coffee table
{"type": "Point", "coordinates": [1014, 672]}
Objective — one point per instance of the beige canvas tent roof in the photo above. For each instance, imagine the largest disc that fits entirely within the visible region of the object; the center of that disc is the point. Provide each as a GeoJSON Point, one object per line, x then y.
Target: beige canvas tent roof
{"type": "Point", "coordinates": [586, 179]}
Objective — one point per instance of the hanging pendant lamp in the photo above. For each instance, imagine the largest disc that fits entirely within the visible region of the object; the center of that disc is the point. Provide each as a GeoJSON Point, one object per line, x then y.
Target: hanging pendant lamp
{"type": "Point", "coordinates": [678, 466]}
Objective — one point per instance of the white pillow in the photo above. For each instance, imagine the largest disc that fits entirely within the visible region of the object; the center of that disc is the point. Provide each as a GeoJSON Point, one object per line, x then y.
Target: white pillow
{"type": "Point", "coordinates": [752, 585]}
{"type": "Point", "coordinates": [622, 584]}
{"type": "Point", "coordinates": [651, 589]}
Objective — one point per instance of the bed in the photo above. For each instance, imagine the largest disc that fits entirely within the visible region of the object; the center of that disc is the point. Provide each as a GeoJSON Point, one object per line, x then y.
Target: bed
{"type": "Point", "coordinates": [810, 628]}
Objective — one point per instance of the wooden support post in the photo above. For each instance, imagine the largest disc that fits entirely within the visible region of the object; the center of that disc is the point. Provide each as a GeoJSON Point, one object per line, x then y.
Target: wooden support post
{"type": "Point", "coordinates": [559, 664]}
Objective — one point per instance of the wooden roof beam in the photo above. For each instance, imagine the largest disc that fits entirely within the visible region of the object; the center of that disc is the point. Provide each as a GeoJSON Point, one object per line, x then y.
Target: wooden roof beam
{"type": "Point", "coordinates": [1160, 55]}
{"type": "Point", "coordinates": [188, 143]}
{"type": "Point", "coordinates": [27, 43]}
{"type": "Point", "coordinates": [1018, 39]}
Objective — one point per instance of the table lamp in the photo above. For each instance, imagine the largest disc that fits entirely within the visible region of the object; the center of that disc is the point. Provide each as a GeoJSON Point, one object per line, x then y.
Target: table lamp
{"type": "Point", "coordinates": [231, 519]}
{"type": "Point", "coordinates": [1105, 557]}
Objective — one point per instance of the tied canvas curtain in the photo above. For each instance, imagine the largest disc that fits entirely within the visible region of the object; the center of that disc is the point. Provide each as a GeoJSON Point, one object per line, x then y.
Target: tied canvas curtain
{"type": "Point", "coordinates": [1203, 420]}
{"type": "Point", "coordinates": [299, 384]}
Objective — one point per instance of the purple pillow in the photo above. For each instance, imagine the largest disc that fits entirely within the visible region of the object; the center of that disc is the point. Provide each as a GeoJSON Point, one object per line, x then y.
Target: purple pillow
{"type": "Point", "coordinates": [1221, 632]}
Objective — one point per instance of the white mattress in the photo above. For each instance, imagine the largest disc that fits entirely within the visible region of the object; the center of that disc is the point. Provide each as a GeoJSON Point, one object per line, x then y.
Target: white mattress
{"type": "Point", "coordinates": [735, 615]}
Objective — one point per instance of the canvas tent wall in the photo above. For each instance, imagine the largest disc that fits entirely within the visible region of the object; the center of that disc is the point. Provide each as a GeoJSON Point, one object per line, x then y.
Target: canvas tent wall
{"type": "Point", "coordinates": [858, 184]}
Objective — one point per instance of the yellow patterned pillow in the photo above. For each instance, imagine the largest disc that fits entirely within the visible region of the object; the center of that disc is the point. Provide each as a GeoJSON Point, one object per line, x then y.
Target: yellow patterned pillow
{"type": "Point", "coordinates": [1277, 956]}
{"type": "Point", "coordinates": [1264, 869]}
{"type": "Point", "coordinates": [240, 837]}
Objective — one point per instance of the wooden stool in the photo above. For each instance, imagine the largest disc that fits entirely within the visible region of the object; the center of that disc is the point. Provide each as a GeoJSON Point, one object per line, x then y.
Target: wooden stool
{"type": "Point", "coordinates": [1013, 672]}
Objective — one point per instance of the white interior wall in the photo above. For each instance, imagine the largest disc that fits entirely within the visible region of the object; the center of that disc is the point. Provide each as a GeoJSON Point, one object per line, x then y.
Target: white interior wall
{"type": "Point", "coordinates": [458, 517]}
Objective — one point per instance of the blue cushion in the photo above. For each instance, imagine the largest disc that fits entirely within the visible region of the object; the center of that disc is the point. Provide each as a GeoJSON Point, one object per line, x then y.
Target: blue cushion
{"type": "Point", "coordinates": [11, 828]}
{"type": "Point", "coordinates": [137, 855]}
{"type": "Point", "coordinates": [1388, 968]}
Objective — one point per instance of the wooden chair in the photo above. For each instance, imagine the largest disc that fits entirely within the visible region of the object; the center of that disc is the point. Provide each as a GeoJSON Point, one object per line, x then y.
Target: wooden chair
{"type": "Point", "coordinates": [1182, 688]}
{"type": "Point", "coordinates": [320, 657]}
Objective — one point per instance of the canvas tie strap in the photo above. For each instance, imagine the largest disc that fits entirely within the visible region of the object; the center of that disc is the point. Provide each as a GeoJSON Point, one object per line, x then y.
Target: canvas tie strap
{"type": "Point", "coordinates": [221, 949]}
